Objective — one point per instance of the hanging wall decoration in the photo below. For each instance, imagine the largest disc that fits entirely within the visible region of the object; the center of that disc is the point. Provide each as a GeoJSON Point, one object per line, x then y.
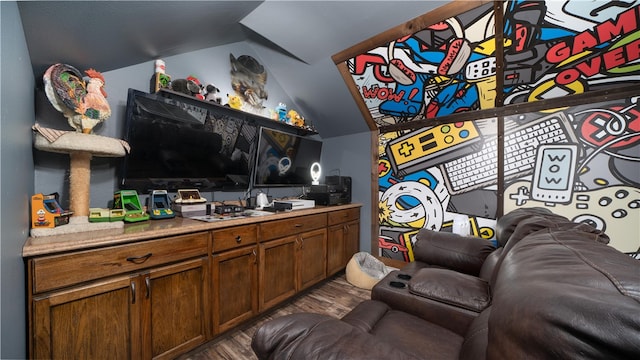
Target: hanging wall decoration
{"type": "Point", "coordinates": [248, 80]}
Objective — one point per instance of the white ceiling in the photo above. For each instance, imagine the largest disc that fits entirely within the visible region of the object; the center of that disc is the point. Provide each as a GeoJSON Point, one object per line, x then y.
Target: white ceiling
{"type": "Point", "coordinates": [113, 34]}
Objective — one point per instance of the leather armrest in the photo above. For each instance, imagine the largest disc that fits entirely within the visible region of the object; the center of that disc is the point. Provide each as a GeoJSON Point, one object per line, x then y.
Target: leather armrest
{"type": "Point", "coordinates": [450, 287]}
{"type": "Point", "coordinates": [454, 318]}
{"type": "Point", "coordinates": [452, 251]}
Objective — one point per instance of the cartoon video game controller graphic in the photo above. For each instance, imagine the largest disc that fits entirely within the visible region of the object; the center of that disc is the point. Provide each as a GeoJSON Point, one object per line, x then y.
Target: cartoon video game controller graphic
{"type": "Point", "coordinates": [614, 210]}
{"type": "Point", "coordinates": [424, 148]}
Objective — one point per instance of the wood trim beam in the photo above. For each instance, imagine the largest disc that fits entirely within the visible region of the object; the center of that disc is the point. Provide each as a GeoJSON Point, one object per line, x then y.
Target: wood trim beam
{"type": "Point", "coordinates": [591, 97]}
{"type": "Point", "coordinates": [375, 156]}
{"type": "Point", "coordinates": [435, 16]}
{"type": "Point", "coordinates": [498, 10]}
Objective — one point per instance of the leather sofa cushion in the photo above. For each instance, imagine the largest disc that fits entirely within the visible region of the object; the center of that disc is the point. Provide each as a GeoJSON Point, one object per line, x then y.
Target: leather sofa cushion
{"type": "Point", "coordinates": [450, 287]}
{"type": "Point", "coordinates": [365, 318]}
{"type": "Point", "coordinates": [420, 338]}
{"type": "Point", "coordinates": [508, 222]}
{"type": "Point", "coordinates": [452, 251]}
{"type": "Point", "coordinates": [572, 297]}
{"type": "Point", "coordinates": [307, 336]}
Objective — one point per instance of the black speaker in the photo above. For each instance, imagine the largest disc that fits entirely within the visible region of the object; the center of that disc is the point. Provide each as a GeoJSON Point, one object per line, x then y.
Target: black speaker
{"type": "Point", "coordinates": [346, 183]}
{"type": "Point", "coordinates": [342, 182]}
{"type": "Point", "coordinates": [332, 180]}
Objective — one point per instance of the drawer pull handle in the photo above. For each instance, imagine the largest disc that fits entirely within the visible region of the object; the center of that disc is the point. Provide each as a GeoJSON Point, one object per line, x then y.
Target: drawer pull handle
{"type": "Point", "coordinates": [147, 283]}
{"type": "Point", "coordinates": [133, 293]}
{"type": "Point", "coordinates": [298, 225]}
{"type": "Point", "coordinates": [238, 239]}
{"type": "Point", "coordinates": [139, 259]}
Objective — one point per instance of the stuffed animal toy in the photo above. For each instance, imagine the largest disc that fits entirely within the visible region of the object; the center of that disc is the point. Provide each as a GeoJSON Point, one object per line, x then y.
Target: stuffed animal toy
{"type": "Point", "coordinates": [212, 94]}
{"type": "Point", "coordinates": [200, 93]}
{"type": "Point", "coordinates": [281, 109]}
{"type": "Point", "coordinates": [234, 102]}
{"type": "Point", "coordinates": [187, 86]}
{"type": "Point", "coordinates": [294, 118]}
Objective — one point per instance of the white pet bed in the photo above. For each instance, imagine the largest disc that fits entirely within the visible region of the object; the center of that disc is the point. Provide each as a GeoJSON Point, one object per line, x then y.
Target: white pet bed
{"type": "Point", "coordinates": [364, 270]}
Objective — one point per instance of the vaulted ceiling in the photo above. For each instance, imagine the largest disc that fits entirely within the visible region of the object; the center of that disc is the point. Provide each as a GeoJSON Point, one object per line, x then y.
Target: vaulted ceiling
{"type": "Point", "coordinates": [113, 34]}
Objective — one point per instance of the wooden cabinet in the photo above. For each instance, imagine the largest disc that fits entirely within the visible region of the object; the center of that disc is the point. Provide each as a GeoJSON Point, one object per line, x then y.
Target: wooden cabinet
{"type": "Point", "coordinates": [294, 260]}
{"type": "Point", "coordinates": [57, 271]}
{"type": "Point", "coordinates": [235, 277]}
{"type": "Point", "coordinates": [312, 255]}
{"type": "Point", "coordinates": [160, 296]}
{"type": "Point", "coordinates": [145, 312]}
{"type": "Point", "coordinates": [343, 238]}
{"type": "Point", "coordinates": [175, 310]}
{"type": "Point", "coordinates": [277, 279]}
{"type": "Point", "coordinates": [97, 321]}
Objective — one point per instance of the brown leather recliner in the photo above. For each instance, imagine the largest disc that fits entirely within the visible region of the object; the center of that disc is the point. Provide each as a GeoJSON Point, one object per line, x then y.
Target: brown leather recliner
{"type": "Point", "coordinates": [467, 254]}
{"type": "Point", "coordinates": [453, 274]}
{"type": "Point", "coordinates": [558, 292]}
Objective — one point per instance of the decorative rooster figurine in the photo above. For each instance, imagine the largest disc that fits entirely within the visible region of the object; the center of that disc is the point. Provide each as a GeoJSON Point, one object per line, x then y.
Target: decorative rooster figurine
{"type": "Point", "coordinates": [83, 104]}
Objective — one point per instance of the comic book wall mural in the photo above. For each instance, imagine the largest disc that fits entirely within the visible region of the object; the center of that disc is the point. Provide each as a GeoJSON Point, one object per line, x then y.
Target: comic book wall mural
{"type": "Point", "coordinates": [559, 48]}
{"type": "Point", "coordinates": [581, 162]}
{"type": "Point", "coordinates": [446, 68]}
{"type": "Point", "coordinates": [589, 172]}
{"type": "Point", "coordinates": [429, 176]}
{"type": "Point", "coordinates": [550, 49]}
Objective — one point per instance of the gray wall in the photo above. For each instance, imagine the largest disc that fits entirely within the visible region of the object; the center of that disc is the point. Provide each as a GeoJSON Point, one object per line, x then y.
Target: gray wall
{"type": "Point", "coordinates": [350, 155]}
{"type": "Point", "coordinates": [16, 184]}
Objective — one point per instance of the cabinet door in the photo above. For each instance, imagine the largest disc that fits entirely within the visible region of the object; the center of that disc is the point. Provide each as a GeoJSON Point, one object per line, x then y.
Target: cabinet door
{"type": "Point", "coordinates": [277, 275]}
{"type": "Point", "coordinates": [335, 249]}
{"type": "Point", "coordinates": [176, 315]}
{"type": "Point", "coordinates": [235, 287]}
{"type": "Point", "coordinates": [351, 240]}
{"type": "Point", "coordinates": [343, 241]}
{"type": "Point", "coordinates": [312, 255]}
{"type": "Point", "coordinates": [98, 321]}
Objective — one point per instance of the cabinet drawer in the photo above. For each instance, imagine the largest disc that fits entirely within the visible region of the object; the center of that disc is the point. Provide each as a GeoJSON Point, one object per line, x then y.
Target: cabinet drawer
{"type": "Point", "coordinates": [57, 271]}
{"type": "Point", "coordinates": [280, 228]}
{"type": "Point", "coordinates": [341, 216]}
{"type": "Point", "coordinates": [234, 237]}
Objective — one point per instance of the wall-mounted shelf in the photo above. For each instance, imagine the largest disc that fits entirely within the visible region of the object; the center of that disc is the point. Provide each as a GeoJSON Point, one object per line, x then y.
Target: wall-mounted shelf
{"type": "Point", "coordinates": [246, 116]}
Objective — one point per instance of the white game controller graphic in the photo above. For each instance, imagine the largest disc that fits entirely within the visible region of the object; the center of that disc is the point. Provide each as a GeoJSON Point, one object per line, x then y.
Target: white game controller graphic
{"type": "Point", "coordinates": [614, 210]}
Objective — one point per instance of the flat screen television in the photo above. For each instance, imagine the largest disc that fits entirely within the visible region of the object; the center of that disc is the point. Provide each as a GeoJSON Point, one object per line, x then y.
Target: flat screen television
{"type": "Point", "coordinates": [178, 144]}
{"type": "Point", "coordinates": [284, 159]}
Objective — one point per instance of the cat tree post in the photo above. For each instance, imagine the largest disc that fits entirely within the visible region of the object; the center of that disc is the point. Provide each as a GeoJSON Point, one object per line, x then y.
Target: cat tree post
{"type": "Point", "coordinates": [79, 183]}
{"type": "Point", "coordinates": [80, 148]}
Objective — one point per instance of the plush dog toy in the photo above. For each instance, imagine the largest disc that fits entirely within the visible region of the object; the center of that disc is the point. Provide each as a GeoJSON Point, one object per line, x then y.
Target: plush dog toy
{"type": "Point", "coordinates": [212, 94]}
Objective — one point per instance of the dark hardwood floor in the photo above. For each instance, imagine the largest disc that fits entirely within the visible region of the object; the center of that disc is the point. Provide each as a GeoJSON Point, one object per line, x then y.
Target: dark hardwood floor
{"type": "Point", "coordinates": [335, 297]}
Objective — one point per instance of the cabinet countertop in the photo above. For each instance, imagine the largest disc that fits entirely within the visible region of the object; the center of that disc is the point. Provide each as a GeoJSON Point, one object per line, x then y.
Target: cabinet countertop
{"type": "Point", "coordinates": [151, 229]}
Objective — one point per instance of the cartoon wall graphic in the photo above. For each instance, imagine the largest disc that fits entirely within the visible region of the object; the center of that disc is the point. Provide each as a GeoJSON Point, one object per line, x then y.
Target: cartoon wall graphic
{"type": "Point", "coordinates": [550, 49]}
{"type": "Point", "coordinates": [558, 48]}
{"type": "Point", "coordinates": [425, 181]}
{"type": "Point", "coordinates": [446, 68]}
{"type": "Point", "coordinates": [581, 161]}
{"type": "Point", "coordinates": [593, 176]}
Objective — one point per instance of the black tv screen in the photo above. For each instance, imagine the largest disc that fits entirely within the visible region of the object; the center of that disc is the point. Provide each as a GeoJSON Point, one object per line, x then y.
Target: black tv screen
{"type": "Point", "coordinates": [178, 145]}
{"type": "Point", "coordinates": [284, 159]}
